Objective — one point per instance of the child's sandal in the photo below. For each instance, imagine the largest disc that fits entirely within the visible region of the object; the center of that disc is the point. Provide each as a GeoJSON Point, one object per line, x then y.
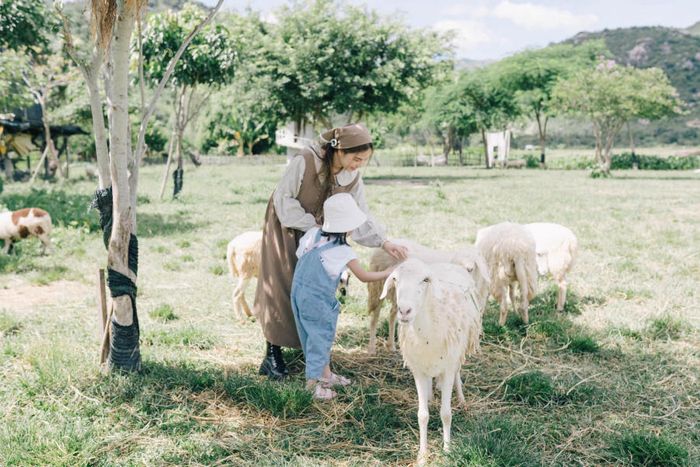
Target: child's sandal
{"type": "Point", "coordinates": [323, 393]}
{"type": "Point", "coordinates": [336, 380]}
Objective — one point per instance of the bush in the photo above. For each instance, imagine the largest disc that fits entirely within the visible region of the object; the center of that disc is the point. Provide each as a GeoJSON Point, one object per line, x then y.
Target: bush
{"type": "Point", "coordinates": [626, 161]}
{"type": "Point", "coordinates": [532, 161]}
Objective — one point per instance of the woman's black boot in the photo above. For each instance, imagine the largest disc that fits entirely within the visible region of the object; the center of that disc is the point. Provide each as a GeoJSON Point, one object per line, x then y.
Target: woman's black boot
{"type": "Point", "coordinates": [273, 365]}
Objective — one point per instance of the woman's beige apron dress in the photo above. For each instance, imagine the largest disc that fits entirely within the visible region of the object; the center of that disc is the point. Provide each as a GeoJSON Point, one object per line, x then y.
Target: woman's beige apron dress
{"type": "Point", "coordinates": [272, 307]}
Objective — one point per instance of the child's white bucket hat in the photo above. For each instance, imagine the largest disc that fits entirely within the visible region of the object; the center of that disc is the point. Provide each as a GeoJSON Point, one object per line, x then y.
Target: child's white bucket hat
{"type": "Point", "coordinates": [341, 214]}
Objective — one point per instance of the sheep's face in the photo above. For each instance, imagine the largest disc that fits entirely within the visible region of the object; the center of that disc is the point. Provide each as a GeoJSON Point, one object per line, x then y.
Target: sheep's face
{"type": "Point", "coordinates": [411, 280]}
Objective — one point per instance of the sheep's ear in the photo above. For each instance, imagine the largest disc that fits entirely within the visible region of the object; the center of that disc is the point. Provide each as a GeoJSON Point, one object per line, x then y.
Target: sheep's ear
{"type": "Point", "coordinates": [483, 268]}
{"type": "Point", "coordinates": [388, 285]}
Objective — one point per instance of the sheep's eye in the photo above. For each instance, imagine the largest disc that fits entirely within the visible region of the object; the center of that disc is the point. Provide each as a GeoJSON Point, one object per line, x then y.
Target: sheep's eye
{"type": "Point", "coordinates": [427, 279]}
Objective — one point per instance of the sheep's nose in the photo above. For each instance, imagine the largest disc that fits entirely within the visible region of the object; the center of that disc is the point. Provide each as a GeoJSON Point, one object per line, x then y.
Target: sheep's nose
{"type": "Point", "coordinates": [405, 311]}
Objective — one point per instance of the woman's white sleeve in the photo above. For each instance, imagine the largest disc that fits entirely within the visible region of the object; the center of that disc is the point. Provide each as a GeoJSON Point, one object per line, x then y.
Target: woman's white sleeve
{"type": "Point", "coordinates": [287, 207]}
{"type": "Point", "coordinates": [371, 233]}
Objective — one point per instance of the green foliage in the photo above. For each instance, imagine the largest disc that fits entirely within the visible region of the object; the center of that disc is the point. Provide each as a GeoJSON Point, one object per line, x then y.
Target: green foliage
{"type": "Point", "coordinates": [13, 91]}
{"type": "Point", "coordinates": [646, 449]}
{"type": "Point", "coordinates": [533, 388]}
{"type": "Point", "coordinates": [284, 400]}
{"type": "Point", "coordinates": [532, 161]}
{"type": "Point", "coordinates": [163, 313]}
{"type": "Point", "coordinates": [66, 209]}
{"type": "Point", "coordinates": [610, 95]}
{"type": "Point", "coordinates": [533, 74]}
{"type": "Point", "coordinates": [25, 24]}
{"type": "Point", "coordinates": [209, 59]}
{"type": "Point", "coordinates": [330, 58]}
{"type": "Point", "coordinates": [645, 162]}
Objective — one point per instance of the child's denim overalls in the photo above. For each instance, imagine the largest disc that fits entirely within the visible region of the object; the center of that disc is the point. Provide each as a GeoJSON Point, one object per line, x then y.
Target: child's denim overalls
{"type": "Point", "coordinates": [315, 308]}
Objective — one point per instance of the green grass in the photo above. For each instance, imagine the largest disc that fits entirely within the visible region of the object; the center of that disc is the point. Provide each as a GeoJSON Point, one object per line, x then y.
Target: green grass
{"type": "Point", "coordinates": [163, 313]}
{"type": "Point", "coordinates": [532, 388]}
{"type": "Point", "coordinates": [645, 449]}
{"type": "Point", "coordinates": [563, 390]}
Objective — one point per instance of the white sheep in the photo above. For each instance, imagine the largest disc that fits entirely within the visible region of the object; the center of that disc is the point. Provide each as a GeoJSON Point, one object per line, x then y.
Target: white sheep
{"type": "Point", "coordinates": [556, 247]}
{"type": "Point", "coordinates": [439, 324]}
{"type": "Point", "coordinates": [509, 250]}
{"type": "Point", "coordinates": [243, 260]}
{"type": "Point", "coordinates": [468, 257]}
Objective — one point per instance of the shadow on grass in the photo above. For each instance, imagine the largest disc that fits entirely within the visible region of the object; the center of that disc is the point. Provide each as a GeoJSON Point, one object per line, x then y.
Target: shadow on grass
{"type": "Point", "coordinates": [158, 225]}
{"type": "Point", "coordinates": [162, 387]}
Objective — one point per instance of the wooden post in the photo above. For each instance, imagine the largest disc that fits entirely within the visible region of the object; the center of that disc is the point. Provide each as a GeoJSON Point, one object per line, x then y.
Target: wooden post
{"type": "Point", "coordinates": [102, 304]}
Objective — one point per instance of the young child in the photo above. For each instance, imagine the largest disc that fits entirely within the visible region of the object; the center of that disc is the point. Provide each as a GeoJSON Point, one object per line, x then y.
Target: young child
{"type": "Point", "coordinates": [323, 255]}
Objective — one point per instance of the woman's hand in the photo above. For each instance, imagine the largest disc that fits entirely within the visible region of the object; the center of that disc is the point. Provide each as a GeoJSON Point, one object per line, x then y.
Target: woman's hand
{"type": "Point", "coordinates": [397, 251]}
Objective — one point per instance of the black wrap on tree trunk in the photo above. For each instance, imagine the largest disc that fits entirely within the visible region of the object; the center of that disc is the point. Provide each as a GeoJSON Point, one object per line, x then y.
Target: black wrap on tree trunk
{"type": "Point", "coordinates": [124, 350]}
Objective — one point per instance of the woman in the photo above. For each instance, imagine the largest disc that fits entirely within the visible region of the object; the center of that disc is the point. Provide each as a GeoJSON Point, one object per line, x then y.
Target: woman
{"type": "Point", "coordinates": [295, 207]}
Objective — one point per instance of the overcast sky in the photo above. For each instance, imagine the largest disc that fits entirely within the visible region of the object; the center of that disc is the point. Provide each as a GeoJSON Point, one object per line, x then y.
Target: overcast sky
{"type": "Point", "coordinates": [492, 29]}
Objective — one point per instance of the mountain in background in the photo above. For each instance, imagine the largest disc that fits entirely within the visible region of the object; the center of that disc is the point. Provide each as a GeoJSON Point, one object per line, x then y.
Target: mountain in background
{"type": "Point", "coordinates": [676, 51]}
{"type": "Point", "coordinates": [694, 29]}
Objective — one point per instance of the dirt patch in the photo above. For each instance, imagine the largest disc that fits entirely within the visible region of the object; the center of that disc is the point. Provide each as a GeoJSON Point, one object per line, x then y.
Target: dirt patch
{"type": "Point", "coordinates": [19, 296]}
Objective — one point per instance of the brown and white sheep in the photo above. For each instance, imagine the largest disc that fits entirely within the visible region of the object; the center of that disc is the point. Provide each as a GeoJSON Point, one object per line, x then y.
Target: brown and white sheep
{"type": "Point", "coordinates": [23, 223]}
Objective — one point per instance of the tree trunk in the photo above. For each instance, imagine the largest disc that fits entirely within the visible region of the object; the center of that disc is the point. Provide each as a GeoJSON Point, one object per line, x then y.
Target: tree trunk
{"type": "Point", "coordinates": [542, 130]}
{"type": "Point", "coordinates": [486, 147]}
{"type": "Point", "coordinates": [635, 162]}
{"type": "Point", "coordinates": [169, 162]}
{"type": "Point", "coordinates": [124, 353]}
{"type": "Point", "coordinates": [461, 152]}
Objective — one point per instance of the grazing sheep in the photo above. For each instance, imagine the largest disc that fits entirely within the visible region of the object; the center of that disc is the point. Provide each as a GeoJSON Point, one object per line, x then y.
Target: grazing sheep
{"type": "Point", "coordinates": [243, 260]}
{"type": "Point", "coordinates": [556, 247]}
{"type": "Point", "coordinates": [469, 258]}
{"type": "Point", "coordinates": [16, 225]}
{"type": "Point", "coordinates": [439, 324]}
{"type": "Point", "coordinates": [509, 250]}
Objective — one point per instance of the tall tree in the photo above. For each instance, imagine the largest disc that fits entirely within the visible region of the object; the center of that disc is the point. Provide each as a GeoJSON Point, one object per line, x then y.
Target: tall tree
{"type": "Point", "coordinates": [533, 74]}
{"type": "Point", "coordinates": [207, 62]}
{"type": "Point", "coordinates": [332, 60]}
{"type": "Point", "coordinates": [484, 102]}
{"type": "Point", "coordinates": [610, 95]}
{"type": "Point", "coordinates": [24, 24]}
{"type": "Point", "coordinates": [114, 22]}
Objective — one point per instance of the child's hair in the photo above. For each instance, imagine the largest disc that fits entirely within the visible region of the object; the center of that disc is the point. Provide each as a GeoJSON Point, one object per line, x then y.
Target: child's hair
{"type": "Point", "coordinates": [335, 237]}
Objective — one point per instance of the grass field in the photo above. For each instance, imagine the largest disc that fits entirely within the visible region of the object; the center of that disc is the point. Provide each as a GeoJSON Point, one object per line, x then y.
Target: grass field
{"type": "Point", "coordinates": [614, 380]}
